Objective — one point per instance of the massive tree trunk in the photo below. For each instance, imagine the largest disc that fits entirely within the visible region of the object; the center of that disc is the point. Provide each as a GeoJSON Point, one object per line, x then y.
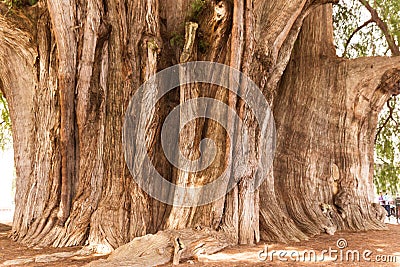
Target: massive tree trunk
{"type": "Point", "coordinates": [69, 69]}
{"type": "Point", "coordinates": [326, 111]}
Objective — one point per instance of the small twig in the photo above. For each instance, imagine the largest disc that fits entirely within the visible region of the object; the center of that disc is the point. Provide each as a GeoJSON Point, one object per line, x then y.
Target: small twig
{"type": "Point", "coordinates": [390, 117]}
{"type": "Point", "coordinates": [354, 33]}
{"type": "Point", "coordinates": [384, 161]}
{"type": "Point", "coordinates": [383, 26]}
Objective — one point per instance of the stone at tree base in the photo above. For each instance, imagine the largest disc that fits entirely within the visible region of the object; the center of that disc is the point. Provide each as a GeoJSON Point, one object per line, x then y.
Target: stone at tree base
{"type": "Point", "coordinates": [151, 250]}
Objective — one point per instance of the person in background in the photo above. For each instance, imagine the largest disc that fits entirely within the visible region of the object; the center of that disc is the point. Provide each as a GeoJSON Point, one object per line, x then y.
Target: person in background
{"type": "Point", "coordinates": [392, 206]}
{"type": "Point", "coordinates": [380, 199]}
{"type": "Point", "coordinates": [386, 203]}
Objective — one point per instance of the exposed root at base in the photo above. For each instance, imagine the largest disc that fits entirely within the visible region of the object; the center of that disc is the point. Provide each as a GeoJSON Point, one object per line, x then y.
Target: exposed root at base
{"type": "Point", "coordinates": [165, 246]}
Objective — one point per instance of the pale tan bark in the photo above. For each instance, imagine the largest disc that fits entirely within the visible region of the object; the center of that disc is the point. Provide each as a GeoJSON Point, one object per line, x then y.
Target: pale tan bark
{"type": "Point", "coordinates": [17, 56]}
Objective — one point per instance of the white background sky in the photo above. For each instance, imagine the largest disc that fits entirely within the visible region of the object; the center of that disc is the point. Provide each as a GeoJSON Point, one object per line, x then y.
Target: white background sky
{"type": "Point", "coordinates": [6, 180]}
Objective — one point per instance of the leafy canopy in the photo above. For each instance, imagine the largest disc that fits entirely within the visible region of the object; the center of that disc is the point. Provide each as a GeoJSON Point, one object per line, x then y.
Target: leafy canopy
{"type": "Point", "coordinates": [5, 124]}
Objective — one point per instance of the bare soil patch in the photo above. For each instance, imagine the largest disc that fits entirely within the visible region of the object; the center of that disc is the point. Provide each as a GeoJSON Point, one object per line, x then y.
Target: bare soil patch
{"type": "Point", "coordinates": [10, 250]}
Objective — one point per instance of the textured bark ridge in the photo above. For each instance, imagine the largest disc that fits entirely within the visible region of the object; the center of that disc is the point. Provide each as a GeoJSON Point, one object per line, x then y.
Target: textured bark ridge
{"type": "Point", "coordinates": [69, 69]}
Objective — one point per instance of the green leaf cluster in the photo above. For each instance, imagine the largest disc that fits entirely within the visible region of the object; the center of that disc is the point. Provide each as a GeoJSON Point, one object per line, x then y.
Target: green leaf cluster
{"type": "Point", "coordinates": [387, 148]}
{"type": "Point", "coordinates": [5, 124]}
{"type": "Point", "coordinates": [370, 40]}
{"type": "Point", "coordinates": [176, 40]}
{"type": "Point", "coordinates": [19, 3]}
{"type": "Point", "coordinates": [196, 6]}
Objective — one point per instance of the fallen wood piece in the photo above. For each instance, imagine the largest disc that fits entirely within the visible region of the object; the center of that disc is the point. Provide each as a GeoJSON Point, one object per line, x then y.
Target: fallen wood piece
{"type": "Point", "coordinates": [166, 246]}
{"type": "Point", "coordinates": [178, 249]}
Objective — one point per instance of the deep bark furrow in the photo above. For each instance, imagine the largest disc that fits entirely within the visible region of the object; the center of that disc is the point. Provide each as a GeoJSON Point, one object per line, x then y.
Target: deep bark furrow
{"type": "Point", "coordinates": [63, 19]}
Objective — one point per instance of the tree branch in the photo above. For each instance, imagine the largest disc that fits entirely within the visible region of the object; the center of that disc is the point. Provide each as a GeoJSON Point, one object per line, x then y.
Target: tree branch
{"type": "Point", "coordinates": [384, 161]}
{"type": "Point", "coordinates": [354, 33]}
{"type": "Point", "coordinates": [383, 26]}
{"type": "Point", "coordinates": [390, 117]}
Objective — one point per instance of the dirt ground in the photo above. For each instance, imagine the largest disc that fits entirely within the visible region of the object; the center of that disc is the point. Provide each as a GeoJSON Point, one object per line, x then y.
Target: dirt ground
{"type": "Point", "coordinates": [10, 250]}
{"type": "Point", "coordinates": [377, 247]}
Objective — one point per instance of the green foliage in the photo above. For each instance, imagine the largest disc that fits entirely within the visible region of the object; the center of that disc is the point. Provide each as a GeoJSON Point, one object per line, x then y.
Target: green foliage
{"type": "Point", "coordinates": [176, 40]}
{"type": "Point", "coordinates": [386, 178]}
{"type": "Point", "coordinates": [5, 124]}
{"type": "Point", "coordinates": [346, 18]}
{"type": "Point", "coordinates": [203, 46]}
{"type": "Point", "coordinates": [387, 148]}
{"type": "Point", "coordinates": [370, 41]}
{"type": "Point", "coordinates": [19, 3]}
{"type": "Point", "coordinates": [196, 6]}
